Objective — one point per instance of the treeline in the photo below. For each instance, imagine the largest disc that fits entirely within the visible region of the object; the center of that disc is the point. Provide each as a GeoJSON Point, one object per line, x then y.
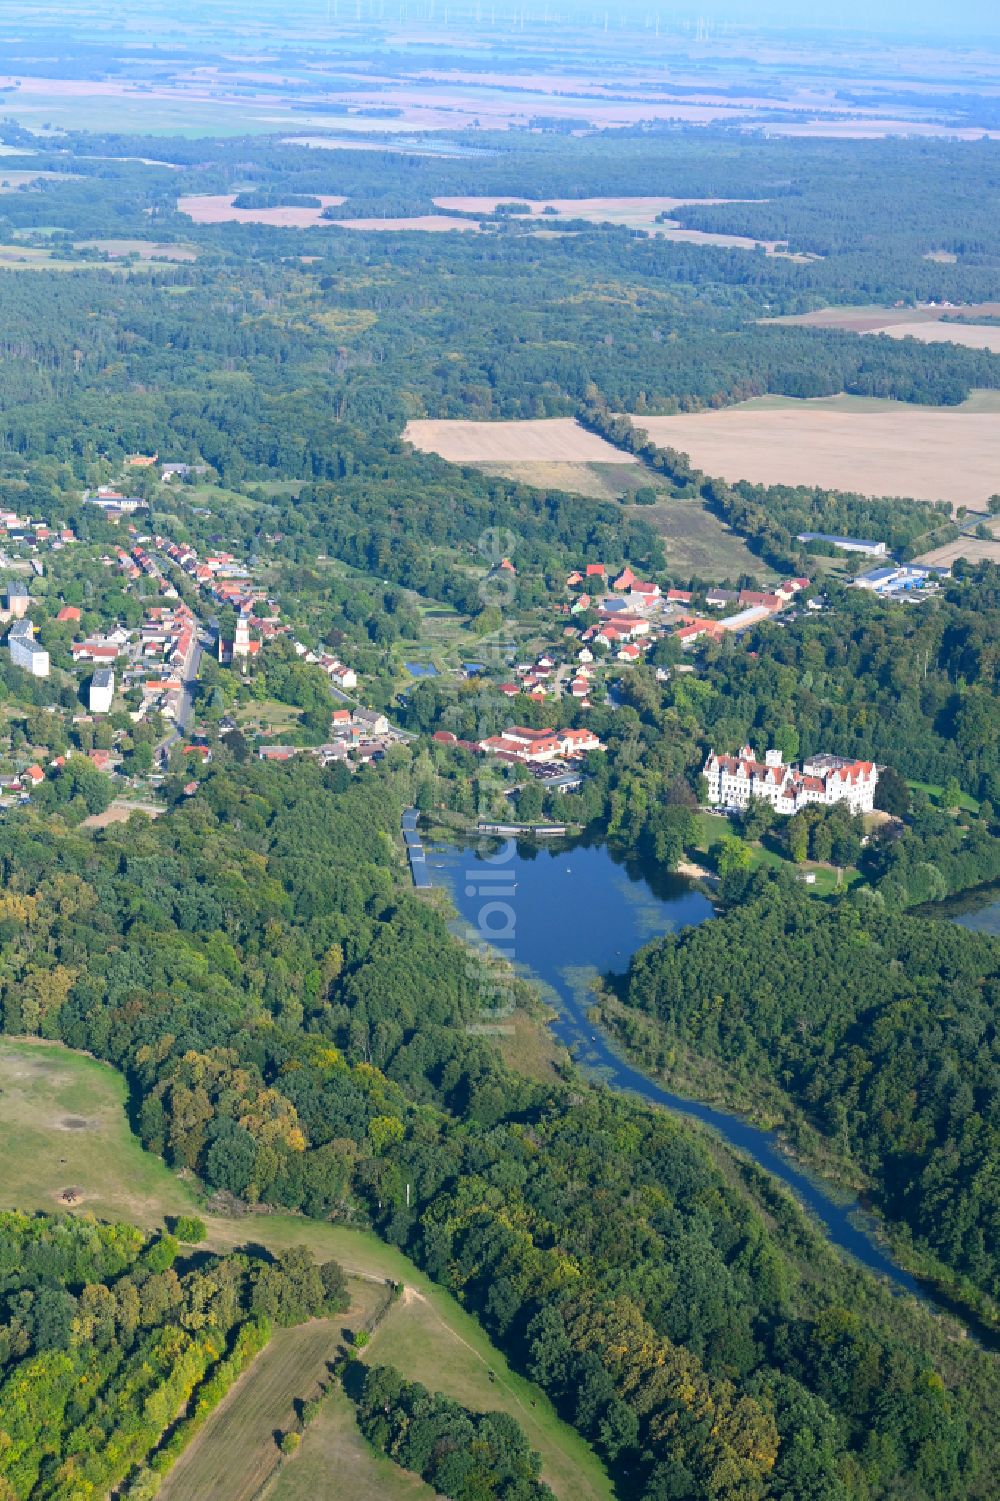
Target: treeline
{"type": "Point", "coordinates": [107, 1338]}
{"type": "Point", "coordinates": [296, 1030]}
{"type": "Point", "coordinates": [880, 1028]}
{"type": "Point", "coordinates": [458, 1452]}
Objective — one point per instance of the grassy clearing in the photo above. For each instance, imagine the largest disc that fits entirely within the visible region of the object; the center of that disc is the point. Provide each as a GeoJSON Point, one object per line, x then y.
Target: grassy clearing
{"type": "Point", "coordinates": [595, 481]}
{"type": "Point", "coordinates": [698, 543]}
{"type": "Point", "coordinates": [711, 827]}
{"type": "Point", "coordinates": [451, 1357]}
{"type": "Point", "coordinates": [268, 717]}
{"type": "Point", "coordinates": [935, 791]}
{"type": "Point", "coordinates": [46, 1091]}
{"type": "Point", "coordinates": [146, 250]}
{"type": "Point", "coordinates": [237, 1450]}
{"type": "Point", "coordinates": [335, 1460]}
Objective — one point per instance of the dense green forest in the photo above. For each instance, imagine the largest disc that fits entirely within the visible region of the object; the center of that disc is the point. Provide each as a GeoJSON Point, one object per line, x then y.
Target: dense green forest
{"type": "Point", "coordinates": [114, 1348]}
{"type": "Point", "coordinates": [880, 1028]}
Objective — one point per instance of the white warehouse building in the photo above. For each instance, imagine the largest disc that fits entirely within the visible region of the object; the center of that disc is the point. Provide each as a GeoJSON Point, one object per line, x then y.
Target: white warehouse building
{"type": "Point", "coordinates": [734, 780]}
{"type": "Point", "coordinates": [25, 651]}
{"type": "Point", "coordinates": [102, 690]}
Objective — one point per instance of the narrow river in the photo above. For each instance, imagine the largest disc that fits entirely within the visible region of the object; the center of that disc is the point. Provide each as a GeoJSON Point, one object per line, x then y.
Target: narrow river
{"type": "Point", "coordinates": [570, 913]}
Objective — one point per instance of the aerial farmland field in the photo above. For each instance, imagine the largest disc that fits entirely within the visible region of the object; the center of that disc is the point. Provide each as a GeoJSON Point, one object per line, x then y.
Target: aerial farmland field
{"type": "Point", "coordinates": [929, 324]}
{"type": "Point", "coordinates": [550, 440]}
{"type": "Point", "coordinates": [217, 208]}
{"type": "Point", "coordinates": [916, 452]}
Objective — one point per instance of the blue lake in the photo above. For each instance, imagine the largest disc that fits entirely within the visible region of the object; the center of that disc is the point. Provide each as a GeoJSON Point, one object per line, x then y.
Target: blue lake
{"type": "Point", "coordinates": [568, 914]}
{"type": "Point", "coordinates": [982, 919]}
{"type": "Point", "coordinates": [421, 669]}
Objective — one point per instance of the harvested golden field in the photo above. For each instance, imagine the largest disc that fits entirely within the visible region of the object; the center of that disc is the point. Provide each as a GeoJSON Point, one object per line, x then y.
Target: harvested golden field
{"type": "Point", "coordinates": [435, 223]}
{"type": "Point", "coordinates": [11, 181]}
{"type": "Point", "coordinates": [550, 440]}
{"type": "Point", "coordinates": [932, 325]}
{"type": "Point", "coordinates": [970, 335]}
{"type": "Point", "coordinates": [973, 549]}
{"type": "Point", "coordinates": [625, 210]}
{"type": "Point", "coordinates": [630, 212]}
{"type": "Point", "coordinates": [217, 208]}
{"type": "Point", "coordinates": [917, 452]}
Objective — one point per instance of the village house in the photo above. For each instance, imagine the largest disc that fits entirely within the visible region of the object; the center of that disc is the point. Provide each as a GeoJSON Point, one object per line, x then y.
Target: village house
{"type": "Point", "coordinates": [371, 722]}
{"type": "Point", "coordinates": [825, 779]}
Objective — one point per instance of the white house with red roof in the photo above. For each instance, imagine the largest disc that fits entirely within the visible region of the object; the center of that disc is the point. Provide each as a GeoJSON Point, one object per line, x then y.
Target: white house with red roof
{"type": "Point", "coordinates": [538, 747]}
{"type": "Point", "coordinates": [734, 780]}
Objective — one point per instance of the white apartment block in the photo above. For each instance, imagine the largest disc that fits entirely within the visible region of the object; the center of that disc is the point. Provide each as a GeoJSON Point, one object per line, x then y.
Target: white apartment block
{"type": "Point", "coordinates": [734, 780]}
{"type": "Point", "coordinates": [25, 651]}
{"type": "Point", "coordinates": [102, 690]}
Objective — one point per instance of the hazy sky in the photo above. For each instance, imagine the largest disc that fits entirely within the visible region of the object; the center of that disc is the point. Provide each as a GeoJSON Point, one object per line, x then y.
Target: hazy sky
{"type": "Point", "coordinates": [966, 19]}
{"type": "Point", "coordinates": [958, 15]}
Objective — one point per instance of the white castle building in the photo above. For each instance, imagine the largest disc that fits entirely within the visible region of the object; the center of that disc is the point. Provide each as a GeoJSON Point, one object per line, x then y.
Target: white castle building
{"type": "Point", "coordinates": [734, 780]}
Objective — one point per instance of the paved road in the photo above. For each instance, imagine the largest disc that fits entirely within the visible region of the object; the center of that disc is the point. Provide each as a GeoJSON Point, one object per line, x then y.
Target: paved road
{"type": "Point", "coordinates": [185, 705]}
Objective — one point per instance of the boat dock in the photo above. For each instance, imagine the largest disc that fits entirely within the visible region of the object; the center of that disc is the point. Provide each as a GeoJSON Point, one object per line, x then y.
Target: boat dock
{"type": "Point", "coordinates": [415, 851]}
{"type": "Point", "coordinates": [540, 830]}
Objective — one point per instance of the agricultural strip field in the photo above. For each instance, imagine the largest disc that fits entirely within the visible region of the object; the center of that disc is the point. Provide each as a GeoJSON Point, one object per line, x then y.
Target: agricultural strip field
{"type": "Point", "coordinates": [33, 258]}
{"type": "Point", "coordinates": [236, 1451]}
{"type": "Point", "coordinates": [552, 440]}
{"type": "Point", "coordinates": [973, 549]}
{"type": "Point", "coordinates": [217, 208]}
{"type": "Point", "coordinates": [636, 213]}
{"type": "Point", "coordinates": [930, 325]}
{"type": "Point", "coordinates": [146, 250]}
{"type": "Point", "coordinates": [430, 223]}
{"type": "Point", "coordinates": [916, 452]}
{"type": "Point", "coordinates": [64, 1125]}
